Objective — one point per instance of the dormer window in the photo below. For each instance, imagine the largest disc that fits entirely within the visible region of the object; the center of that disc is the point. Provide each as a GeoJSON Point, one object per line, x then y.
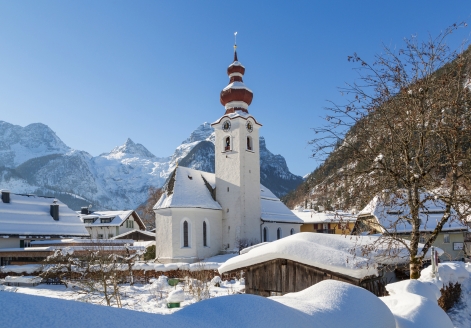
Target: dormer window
{"type": "Point", "coordinates": [105, 220]}
{"type": "Point", "coordinates": [88, 221]}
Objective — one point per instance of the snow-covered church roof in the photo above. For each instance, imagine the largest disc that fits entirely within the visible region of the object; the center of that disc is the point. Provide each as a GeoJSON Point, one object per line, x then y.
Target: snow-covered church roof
{"type": "Point", "coordinates": [29, 215]}
{"type": "Point", "coordinates": [189, 188]}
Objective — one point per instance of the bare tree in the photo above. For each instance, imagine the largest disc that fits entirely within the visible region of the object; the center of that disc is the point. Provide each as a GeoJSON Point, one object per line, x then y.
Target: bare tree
{"type": "Point", "coordinates": [405, 127]}
{"type": "Point", "coordinates": [145, 210]}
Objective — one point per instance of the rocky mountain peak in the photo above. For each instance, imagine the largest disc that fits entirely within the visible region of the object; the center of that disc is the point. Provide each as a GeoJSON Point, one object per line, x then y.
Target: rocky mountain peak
{"type": "Point", "coordinates": [201, 133]}
{"type": "Point", "coordinates": [130, 148]}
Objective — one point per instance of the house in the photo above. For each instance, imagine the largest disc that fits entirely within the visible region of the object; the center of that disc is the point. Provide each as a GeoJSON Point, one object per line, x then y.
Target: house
{"type": "Point", "coordinates": [202, 214]}
{"type": "Point", "coordinates": [108, 224]}
{"type": "Point", "coordinates": [389, 213]}
{"type": "Point", "coordinates": [335, 222]}
{"type": "Point", "coordinates": [137, 235]}
{"type": "Point", "coordinates": [297, 262]}
{"type": "Point", "coordinates": [26, 218]}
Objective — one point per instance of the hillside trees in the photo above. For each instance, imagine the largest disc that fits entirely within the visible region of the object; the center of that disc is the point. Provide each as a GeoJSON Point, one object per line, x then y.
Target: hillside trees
{"type": "Point", "coordinates": [145, 210]}
{"type": "Point", "coordinates": [405, 125]}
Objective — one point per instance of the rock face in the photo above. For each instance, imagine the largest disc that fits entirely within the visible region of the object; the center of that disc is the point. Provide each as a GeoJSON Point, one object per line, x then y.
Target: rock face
{"type": "Point", "coordinates": [34, 160]}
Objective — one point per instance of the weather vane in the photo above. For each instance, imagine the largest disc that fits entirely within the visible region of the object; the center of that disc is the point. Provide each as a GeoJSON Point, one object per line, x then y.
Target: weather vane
{"type": "Point", "coordinates": [235, 41]}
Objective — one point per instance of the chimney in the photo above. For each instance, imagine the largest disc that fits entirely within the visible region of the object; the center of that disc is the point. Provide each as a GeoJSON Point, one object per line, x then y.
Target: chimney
{"type": "Point", "coordinates": [6, 196]}
{"type": "Point", "coordinates": [54, 211]}
{"type": "Point", "coordinates": [84, 210]}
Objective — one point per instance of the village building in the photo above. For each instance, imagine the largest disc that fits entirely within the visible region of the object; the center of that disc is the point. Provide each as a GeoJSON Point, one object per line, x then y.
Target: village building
{"type": "Point", "coordinates": [389, 213]}
{"type": "Point", "coordinates": [333, 222]}
{"type": "Point", "coordinates": [109, 224]}
{"type": "Point", "coordinates": [28, 218]}
{"type": "Point", "coordinates": [202, 214]}
{"type": "Point", "coordinates": [297, 262]}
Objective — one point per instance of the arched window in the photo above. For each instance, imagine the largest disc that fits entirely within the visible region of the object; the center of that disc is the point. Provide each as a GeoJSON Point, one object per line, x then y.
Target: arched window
{"type": "Point", "coordinates": [292, 231]}
{"type": "Point", "coordinates": [278, 233]}
{"type": "Point", "coordinates": [265, 234]}
{"type": "Point", "coordinates": [249, 143]}
{"type": "Point", "coordinates": [205, 243]}
{"type": "Point", "coordinates": [185, 234]}
{"type": "Point", "coordinates": [227, 143]}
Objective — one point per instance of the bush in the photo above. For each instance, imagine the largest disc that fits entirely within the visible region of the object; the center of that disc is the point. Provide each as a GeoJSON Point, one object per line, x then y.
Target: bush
{"type": "Point", "coordinates": [150, 253]}
{"type": "Point", "coordinates": [450, 296]}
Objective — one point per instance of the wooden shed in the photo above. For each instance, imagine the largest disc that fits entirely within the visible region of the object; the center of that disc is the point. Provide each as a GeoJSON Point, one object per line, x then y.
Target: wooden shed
{"type": "Point", "coordinates": [281, 276]}
{"type": "Point", "coordinates": [297, 262]}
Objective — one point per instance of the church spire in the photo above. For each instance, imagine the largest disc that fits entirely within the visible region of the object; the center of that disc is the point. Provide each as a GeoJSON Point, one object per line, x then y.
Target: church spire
{"type": "Point", "coordinates": [236, 96]}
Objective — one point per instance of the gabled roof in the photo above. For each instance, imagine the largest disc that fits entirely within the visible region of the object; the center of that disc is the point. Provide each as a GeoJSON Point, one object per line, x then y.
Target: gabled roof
{"type": "Point", "coordinates": [29, 215]}
{"type": "Point", "coordinates": [116, 218]}
{"type": "Point", "coordinates": [337, 253]}
{"type": "Point", "coordinates": [309, 216]}
{"type": "Point", "coordinates": [147, 233]}
{"type": "Point", "coordinates": [187, 188]}
{"type": "Point", "coordinates": [389, 209]}
{"type": "Point", "coordinates": [273, 209]}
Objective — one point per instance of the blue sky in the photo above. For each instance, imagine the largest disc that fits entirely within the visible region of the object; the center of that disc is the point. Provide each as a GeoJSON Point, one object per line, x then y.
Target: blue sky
{"type": "Point", "coordinates": [98, 72]}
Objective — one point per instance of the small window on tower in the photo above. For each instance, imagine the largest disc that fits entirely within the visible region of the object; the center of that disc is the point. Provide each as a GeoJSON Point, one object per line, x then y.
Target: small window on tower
{"type": "Point", "coordinates": [227, 189]}
{"type": "Point", "coordinates": [227, 144]}
{"type": "Point", "coordinates": [249, 143]}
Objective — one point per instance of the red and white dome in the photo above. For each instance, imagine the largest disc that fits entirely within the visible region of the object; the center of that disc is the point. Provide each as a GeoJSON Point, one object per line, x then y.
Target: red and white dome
{"type": "Point", "coordinates": [236, 96]}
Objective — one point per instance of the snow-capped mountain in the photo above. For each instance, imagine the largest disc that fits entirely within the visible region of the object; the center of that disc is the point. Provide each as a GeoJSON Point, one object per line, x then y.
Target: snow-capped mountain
{"type": "Point", "coordinates": [119, 179]}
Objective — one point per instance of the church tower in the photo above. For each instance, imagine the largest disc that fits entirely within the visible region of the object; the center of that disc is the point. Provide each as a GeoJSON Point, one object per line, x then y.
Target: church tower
{"type": "Point", "coordinates": [237, 156]}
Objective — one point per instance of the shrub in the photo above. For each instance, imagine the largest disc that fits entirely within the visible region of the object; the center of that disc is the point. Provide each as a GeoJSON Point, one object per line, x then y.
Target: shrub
{"type": "Point", "coordinates": [450, 296]}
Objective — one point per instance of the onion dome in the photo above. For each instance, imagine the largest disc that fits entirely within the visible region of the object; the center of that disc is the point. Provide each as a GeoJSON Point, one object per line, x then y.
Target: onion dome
{"type": "Point", "coordinates": [236, 96]}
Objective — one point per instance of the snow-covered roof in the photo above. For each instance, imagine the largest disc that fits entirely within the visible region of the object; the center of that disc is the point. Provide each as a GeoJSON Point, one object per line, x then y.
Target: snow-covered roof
{"type": "Point", "coordinates": [188, 190]}
{"type": "Point", "coordinates": [29, 215]}
{"type": "Point", "coordinates": [310, 216]}
{"type": "Point", "coordinates": [236, 63]}
{"type": "Point", "coordinates": [237, 113]}
{"type": "Point", "coordinates": [147, 233]}
{"type": "Point", "coordinates": [236, 85]}
{"type": "Point", "coordinates": [78, 242]}
{"type": "Point", "coordinates": [116, 218]}
{"type": "Point", "coordinates": [273, 210]}
{"type": "Point", "coordinates": [337, 253]}
{"type": "Point", "coordinates": [388, 214]}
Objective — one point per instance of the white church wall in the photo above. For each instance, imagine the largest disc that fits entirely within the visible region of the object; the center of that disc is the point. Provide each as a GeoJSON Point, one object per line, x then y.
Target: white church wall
{"type": "Point", "coordinates": [170, 236]}
{"type": "Point", "coordinates": [238, 182]}
{"type": "Point", "coordinates": [285, 229]}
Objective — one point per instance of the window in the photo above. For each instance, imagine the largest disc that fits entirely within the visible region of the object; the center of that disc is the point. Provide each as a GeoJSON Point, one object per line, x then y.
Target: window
{"type": "Point", "coordinates": [292, 231]}
{"type": "Point", "coordinates": [227, 144]}
{"type": "Point", "coordinates": [265, 234]}
{"type": "Point", "coordinates": [100, 236]}
{"type": "Point", "coordinates": [110, 236]}
{"type": "Point", "coordinates": [130, 224]}
{"type": "Point", "coordinates": [249, 143]}
{"type": "Point", "coordinates": [185, 234]}
{"type": "Point", "coordinates": [105, 220]}
{"type": "Point", "coordinates": [422, 239]}
{"type": "Point", "coordinates": [278, 233]}
{"type": "Point", "coordinates": [446, 238]}
{"type": "Point", "coordinates": [88, 221]}
{"type": "Point", "coordinates": [205, 244]}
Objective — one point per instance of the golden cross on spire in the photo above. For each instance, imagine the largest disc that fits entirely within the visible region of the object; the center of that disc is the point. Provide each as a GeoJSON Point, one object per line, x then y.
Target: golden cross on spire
{"type": "Point", "coordinates": [235, 41]}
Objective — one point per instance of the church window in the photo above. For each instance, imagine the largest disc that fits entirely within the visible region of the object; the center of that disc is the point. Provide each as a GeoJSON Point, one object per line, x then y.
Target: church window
{"type": "Point", "coordinates": [204, 235]}
{"type": "Point", "coordinates": [278, 233]}
{"type": "Point", "coordinates": [185, 234]}
{"type": "Point", "coordinates": [265, 234]}
{"type": "Point", "coordinates": [227, 144]}
{"type": "Point", "coordinates": [249, 143]}
{"type": "Point", "coordinates": [227, 189]}
{"type": "Point", "coordinates": [292, 231]}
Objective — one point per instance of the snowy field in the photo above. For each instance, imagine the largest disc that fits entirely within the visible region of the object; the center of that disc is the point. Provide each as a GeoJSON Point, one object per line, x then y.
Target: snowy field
{"type": "Point", "coordinates": [412, 303]}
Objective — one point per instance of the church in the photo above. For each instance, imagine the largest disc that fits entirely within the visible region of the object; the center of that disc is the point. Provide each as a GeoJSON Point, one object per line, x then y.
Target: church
{"type": "Point", "coordinates": [203, 214]}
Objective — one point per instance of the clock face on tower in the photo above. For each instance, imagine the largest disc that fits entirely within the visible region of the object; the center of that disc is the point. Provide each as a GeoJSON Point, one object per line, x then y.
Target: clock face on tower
{"type": "Point", "coordinates": [249, 126]}
{"type": "Point", "coordinates": [226, 126]}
